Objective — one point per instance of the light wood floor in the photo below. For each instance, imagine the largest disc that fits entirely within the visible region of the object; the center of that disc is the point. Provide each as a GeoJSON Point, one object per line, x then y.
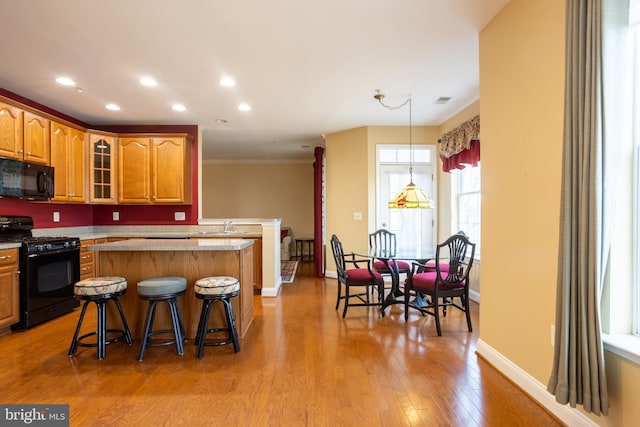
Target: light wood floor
{"type": "Point", "coordinates": [300, 364]}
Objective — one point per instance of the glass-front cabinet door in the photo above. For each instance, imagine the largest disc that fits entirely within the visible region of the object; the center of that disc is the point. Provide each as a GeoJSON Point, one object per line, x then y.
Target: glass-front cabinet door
{"type": "Point", "coordinates": [102, 152]}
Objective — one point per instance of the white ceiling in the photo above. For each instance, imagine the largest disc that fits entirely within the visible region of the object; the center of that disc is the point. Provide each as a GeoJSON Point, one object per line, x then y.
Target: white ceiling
{"type": "Point", "coordinates": [307, 68]}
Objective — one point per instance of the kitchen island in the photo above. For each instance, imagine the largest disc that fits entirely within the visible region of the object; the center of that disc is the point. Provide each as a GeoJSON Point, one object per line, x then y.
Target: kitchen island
{"type": "Point", "coordinates": [140, 259]}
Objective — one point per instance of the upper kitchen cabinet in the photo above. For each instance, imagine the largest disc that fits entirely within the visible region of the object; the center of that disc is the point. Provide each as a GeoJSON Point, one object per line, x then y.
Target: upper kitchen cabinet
{"type": "Point", "coordinates": [68, 160]}
{"type": "Point", "coordinates": [102, 167]}
{"type": "Point", "coordinates": [10, 131]}
{"type": "Point", "coordinates": [36, 138]}
{"type": "Point", "coordinates": [154, 169]}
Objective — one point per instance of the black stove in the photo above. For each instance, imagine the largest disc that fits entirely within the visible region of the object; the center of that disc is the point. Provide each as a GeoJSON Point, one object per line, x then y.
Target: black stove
{"type": "Point", "coordinates": [49, 267]}
{"type": "Point", "coordinates": [17, 229]}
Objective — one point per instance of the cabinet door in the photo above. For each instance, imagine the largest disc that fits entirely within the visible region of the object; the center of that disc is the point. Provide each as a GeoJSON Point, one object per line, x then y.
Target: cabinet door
{"type": "Point", "coordinates": [9, 279]}
{"type": "Point", "coordinates": [59, 156]}
{"type": "Point", "coordinates": [36, 138]}
{"type": "Point", "coordinates": [102, 168]}
{"type": "Point", "coordinates": [10, 131]}
{"type": "Point", "coordinates": [134, 159]}
{"type": "Point", "coordinates": [168, 170]}
{"type": "Point", "coordinates": [76, 166]}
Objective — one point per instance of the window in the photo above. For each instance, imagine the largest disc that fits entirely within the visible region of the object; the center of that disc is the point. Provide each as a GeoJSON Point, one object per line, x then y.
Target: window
{"type": "Point", "coordinates": [467, 203]}
{"type": "Point", "coordinates": [414, 228]}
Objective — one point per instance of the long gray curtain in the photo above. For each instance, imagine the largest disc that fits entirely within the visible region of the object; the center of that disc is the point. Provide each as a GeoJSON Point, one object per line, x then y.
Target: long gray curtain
{"type": "Point", "coordinates": [578, 375]}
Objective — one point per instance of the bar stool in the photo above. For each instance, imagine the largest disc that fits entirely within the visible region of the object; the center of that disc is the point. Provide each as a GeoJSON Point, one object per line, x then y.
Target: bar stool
{"type": "Point", "coordinates": [211, 290]}
{"type": "Point", "coordinates": [155, 290]}
{"type": "Point", "coordinates": [100, 290]}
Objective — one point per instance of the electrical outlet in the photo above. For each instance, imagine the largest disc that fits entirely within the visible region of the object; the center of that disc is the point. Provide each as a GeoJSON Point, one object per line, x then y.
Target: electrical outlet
{"type": "Point", "coordinates": [357, 216]}
{"type": "Point", "coordinates": [116, 216]}
{"type": "Point", "coordinates": [179, 216]}
{"type": "Point", "coordinates": [56, 217]}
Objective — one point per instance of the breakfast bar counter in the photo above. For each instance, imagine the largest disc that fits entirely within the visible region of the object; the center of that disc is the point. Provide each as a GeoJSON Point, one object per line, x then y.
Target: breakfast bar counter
{"type": "Point", "coordinates": [193, 259]}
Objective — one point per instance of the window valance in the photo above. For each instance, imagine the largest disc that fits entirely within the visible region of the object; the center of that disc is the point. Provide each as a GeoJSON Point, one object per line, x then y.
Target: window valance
{"type": "Point", "coordinates": [459, 139]}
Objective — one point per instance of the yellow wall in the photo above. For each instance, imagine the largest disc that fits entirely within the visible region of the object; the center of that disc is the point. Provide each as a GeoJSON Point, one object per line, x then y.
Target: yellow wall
{"type": "Point", "coordinates": [347, 184]}
{"type": "Point", "coordinates": [260, 190]}
{"type": "Point", "coordinates": [521, 92]}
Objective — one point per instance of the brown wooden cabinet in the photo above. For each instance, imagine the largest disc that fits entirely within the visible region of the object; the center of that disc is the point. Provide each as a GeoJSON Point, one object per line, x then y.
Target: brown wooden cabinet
{"type": "Point", "coordinates": [36, 138]}
{"type": "Point", "coordinates": [9, 290]}
{"type": "Point", "coordinates": [88, 259]}
{"type": "Point", "coordinates": [11, 131]}
{"type": "Point", "coordinates": [68, 159]}
{"type": "Point", "coordinates": [102, 167]}
{"type": "Point", "coordinates": [154, 169]}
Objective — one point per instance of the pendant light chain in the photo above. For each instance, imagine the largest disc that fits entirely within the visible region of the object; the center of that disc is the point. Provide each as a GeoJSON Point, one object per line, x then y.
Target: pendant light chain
{"type": "Point", "coordinates": [410, 196]}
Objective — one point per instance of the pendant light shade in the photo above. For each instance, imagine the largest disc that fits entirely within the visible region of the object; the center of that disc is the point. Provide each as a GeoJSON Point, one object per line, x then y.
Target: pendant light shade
{"type": "Point", "coordinates": [411, 197]}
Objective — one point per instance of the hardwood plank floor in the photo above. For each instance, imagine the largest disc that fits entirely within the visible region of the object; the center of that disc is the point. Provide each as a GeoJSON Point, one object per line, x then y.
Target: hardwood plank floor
{"type": "Point", "coordinates": [300, 364]}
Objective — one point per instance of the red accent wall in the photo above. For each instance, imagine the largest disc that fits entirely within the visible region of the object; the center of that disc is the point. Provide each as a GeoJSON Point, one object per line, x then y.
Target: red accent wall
{"type": "Point", "coordinates": [42, 213]}
{"type": "Point", "coordinates": [84, 215]}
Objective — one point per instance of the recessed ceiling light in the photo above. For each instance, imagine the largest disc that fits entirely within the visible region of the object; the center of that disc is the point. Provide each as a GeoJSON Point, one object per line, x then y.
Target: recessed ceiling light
{"type": "Point", "coordinates": [244, 107]}
{"type": "Point", "coordinates": [148, 81]}
{"type": "Point", "coordinates": [222, 121]}
{"type": "Point", "coordinates": [442, 100]}
{"type": "Point", "coordinates": [112, 107]}
{"type": "Point", "coordinates": [65, 81]}
{"type": "Point", "coordinates": [179, 107]}
{"type": "Point", "coordinates": [227, 81]}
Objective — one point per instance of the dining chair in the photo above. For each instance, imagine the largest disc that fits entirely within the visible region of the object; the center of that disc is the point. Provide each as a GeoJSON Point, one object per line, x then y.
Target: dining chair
{"type": "Point", "coordinates": [383, 243]}
{"type": "Point", "coordinates": [352, 272]}
{"type": "Point", "coordinates": [442, 285]}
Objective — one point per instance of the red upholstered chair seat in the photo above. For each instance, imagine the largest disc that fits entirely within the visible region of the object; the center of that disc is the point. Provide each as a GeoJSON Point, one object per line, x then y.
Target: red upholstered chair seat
{"type": "Point", "coordinates": [382, 266]}
{"type": "Point", "coordinates": [362, 275]}
{"type": "Point", "coordinates": [427, 282]}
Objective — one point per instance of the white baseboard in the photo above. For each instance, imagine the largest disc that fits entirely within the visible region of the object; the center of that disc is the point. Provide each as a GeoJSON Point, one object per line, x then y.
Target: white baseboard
{"type": "Point", "coordinates": [474, 296]}
{"type": "Point", "coordinates": [272, 292]}
{"type": "Point", "coordinates": [568, 415]}
{"type": "Point", "coordinates": [331, 274]}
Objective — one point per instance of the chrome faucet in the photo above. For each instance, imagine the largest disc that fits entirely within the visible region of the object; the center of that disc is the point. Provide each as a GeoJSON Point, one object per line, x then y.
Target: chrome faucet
{"type": "Point", "coordinates": [228, 226]}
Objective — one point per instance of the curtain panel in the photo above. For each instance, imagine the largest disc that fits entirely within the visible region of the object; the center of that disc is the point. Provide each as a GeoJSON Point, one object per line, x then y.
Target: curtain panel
{"type": "Point", "coordinates": [461, 146]}
{"type": "Point", "coordinates": [578, 374]}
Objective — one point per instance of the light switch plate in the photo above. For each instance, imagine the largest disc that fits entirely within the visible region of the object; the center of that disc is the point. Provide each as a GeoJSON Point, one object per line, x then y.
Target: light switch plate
{"type": "Point", "coordinates": [179, 216]}
{"type": "Point", "coordinates": [116, 216]}
{"type": "Point", "coordinates": [357, 216]}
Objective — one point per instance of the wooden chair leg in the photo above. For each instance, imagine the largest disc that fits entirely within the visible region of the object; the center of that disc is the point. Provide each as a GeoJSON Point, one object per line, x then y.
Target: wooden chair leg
{"type": "Point", "coordinates": [436, 313]}
{"type": "Point", "coordinates": [465, 301]}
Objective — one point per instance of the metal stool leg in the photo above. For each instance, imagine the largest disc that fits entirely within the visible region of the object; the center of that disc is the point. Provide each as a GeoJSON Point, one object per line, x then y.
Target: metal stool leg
{"type": "Point", "coordinates": [231, 324]}
{"type": "Point", "coordinates": [177, 327]}
{"type": "Point", "coordinates": [127, 333]}
{"type": "Point", "coordinates": [151, 308]}
{"type": "Point", "coordinates": [74, 343]}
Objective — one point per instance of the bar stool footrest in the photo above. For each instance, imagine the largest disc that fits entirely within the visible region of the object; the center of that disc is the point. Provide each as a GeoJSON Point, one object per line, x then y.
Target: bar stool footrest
{"type": "Point", "coordinates": [151, 343]}
{"type": "Point", "coordinates": [121, 335]}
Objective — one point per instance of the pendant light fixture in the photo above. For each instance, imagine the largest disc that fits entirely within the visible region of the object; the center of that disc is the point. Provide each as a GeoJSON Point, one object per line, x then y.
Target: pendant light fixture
{"type": "Point", "coordinates": [411, 196]}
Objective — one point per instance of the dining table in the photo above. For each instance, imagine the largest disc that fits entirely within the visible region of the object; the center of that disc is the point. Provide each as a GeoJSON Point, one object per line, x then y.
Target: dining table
{"type": "Point", "coordinates": [396, 294]}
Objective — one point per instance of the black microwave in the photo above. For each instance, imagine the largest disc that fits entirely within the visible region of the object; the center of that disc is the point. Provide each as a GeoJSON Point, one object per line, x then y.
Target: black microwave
{"type": "Point", "coordinates": [26, 180]}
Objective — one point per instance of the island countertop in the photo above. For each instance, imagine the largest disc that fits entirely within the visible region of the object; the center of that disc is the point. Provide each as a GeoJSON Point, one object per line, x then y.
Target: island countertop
{"type": "Point", "coordinates": [173, 245]}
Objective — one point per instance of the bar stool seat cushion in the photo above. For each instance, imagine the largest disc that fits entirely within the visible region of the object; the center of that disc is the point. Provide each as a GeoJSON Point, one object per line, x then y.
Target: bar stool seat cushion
{"type": "Point", "coordinates": [100, 286]}
{"type": "Point", "coordinates": [161, 286]}
{"type": "Point", "coordinates": [216, 285]}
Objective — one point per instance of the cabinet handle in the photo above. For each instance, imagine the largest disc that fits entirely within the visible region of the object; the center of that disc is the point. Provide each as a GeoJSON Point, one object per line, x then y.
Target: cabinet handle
{"type": "Point", "coordinates": [85, 268]}
{"type": "Point", "coordinates": [20, 151]}
{"type": "Point", "coordinates": [3, 257]}
{"type": "Point", "coordinates": [28, 153]}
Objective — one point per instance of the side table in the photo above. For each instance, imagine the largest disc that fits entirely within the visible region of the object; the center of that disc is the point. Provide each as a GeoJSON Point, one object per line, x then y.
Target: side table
{"type": "Point", "coordinates": [300, 248]}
